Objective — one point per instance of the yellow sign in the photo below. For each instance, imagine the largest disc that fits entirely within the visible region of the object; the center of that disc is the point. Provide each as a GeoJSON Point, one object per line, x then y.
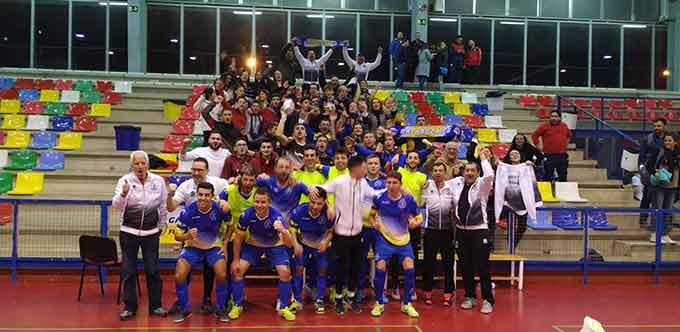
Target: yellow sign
{"type": "Point", "coordinates": [168, 234]}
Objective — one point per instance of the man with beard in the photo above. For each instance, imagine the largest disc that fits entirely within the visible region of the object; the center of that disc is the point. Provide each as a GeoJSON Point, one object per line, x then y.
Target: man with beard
{"type": "Point", "coordinates": [213, 153]}
{"type": "Point", "coordinates": [285, 190]}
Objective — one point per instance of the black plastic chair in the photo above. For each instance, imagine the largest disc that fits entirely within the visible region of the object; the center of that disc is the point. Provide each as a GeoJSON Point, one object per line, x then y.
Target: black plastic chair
{"type": "Point", "coordinates": [100, 252]}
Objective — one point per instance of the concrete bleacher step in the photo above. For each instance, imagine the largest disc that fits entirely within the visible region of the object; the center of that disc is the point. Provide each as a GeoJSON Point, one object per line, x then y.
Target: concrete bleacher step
{"type": "Point", "coordinates": [645, 250]}
{"type": "Point", "coordinates": [587, 174]}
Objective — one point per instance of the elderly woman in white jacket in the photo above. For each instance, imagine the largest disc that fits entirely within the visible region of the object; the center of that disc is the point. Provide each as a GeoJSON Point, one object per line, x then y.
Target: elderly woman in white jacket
{"type": "Point", "coordinates": [423, 68]}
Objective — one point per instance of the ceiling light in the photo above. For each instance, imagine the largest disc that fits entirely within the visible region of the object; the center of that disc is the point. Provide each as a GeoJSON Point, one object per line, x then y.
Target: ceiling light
{"type": "Point", "coordinates": [192, 58]}
{"type": "Point", "coordinates": [443, 19]}
{"type": "Point", "coordinates": [174, 40]}
{"type": "Point", "coordinates": [635, 26]}
{"type": "Point", "coordinates": [264, 46]}
{"type": "Point", "coordinates": [242, 12]}
{"type": "Point", "coordinates": [319, 16]}
{"type": "Point", "coordinates": [341, 63]}
{"type": "Point", "coordinates": [111, 53]}
{"type": "Point", "coordinates": [563, 70]}
{"type": "Point", "coordinates": [512, 23]}
{"type": "Point", "coordinates": [113, 3]}
{"type": "Point", "coordinates": [80, 35]}
{"type": "Point", "coordinates": [607, 57]}
{"type": "Point", "coordinates": [269, 62]}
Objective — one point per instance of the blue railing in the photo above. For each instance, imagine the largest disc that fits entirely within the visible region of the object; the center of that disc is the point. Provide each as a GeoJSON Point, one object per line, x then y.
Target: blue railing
{"type": "Point", "coordinates": [17, 260]}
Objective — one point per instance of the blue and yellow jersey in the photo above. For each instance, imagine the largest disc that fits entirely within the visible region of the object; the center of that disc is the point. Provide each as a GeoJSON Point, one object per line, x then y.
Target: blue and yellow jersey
{"type": "Point", "coordinates": [309, 230]}
{"type": "Point", "coordinates": [393, 216]}
{"type": "Point", "coordinates": [377, 184]}
{"type": "Point", "coordinates": [208, 224]}
{"type": "Point", "coordinates": [261, 231]}
{"type": "Point", "coordinates": [286, 198]}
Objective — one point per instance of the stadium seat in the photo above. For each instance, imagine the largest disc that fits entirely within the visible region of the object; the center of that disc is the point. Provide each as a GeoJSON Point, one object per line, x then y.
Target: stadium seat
{"type": "Point", "coordinates": [382, 95]}
{"type": "Point", "coordinates": [198, 89]}
{"type": "Point", "coordinates": [582, 103]}
{"type": "Point", "coordinates": [597, 220]}
{"type": "Point", "coordinates": [443, 109]}
{"type": "Point", "coordinates": [616, 104]}
{"type": "Point", "coordinates": [500, 150]}
{"type": "Point", "coordinates": [200, 126]}
{"type": "Point", "coordinates": [28, 183]}
{"type": "Point", "coordinates": [411, 119]}
{"type": "Point", "coordinates": [462, 151]}
{"type": "Point", "coordinates": [91, 97]}
{"type": "Point", "coordinates": [83, 85]}
{"type": "Point", "coordinates": [6, 83]}
{"type": "Point", "coordinates": [113, 98]}
{"type": "Point", "coordinates": [4, 155]}
{"type": "Point", "coordinates": [28, 95]}
{"type": "Point", "coordinates": [37, 122]}
{"type": "Point", "coordinates": [54, 109]}
{"type": "Point", "coordinates": [182, 127]}
{"type": "Point", "coordinates": [546, 100]}
{"type": "Point", "coordinates": [170, 158]}
{"type": "Point", "coordinates": [24, 83]}
{"type": "Point", "coordinates": [44, 84]}
{"type": "Point", "coordinates": [17, 139]}
{"type": "Point", "coordinates": [62, 123]}
{"type": "Point", "coordinates": [41, 140]}
{"type": "Point", "coordinates": [665, 104]}
{"type": "Point", "coordinates": [63, 85]}
{"type": "Point", "coordinates": [596, 104]}
{"type": "Point", "coordinates": [188, 113]}
{"type": "Point", "coordinates": [104, 86]}
{"type": "Point", "coordinates": [635, 116]}
{"type": "Point", "coordinates": [468, 98]}
{"type": "Point", "coordinates": [401, 96]}
{"type": "Point", "coordinates": [651, 104]}
{"type": "Point", "coordinates": [70, 96]}
{"type": "Point", "coordinates": [424, 108]}
{"type": "Point", "coordinates": [487, 135]}
{"type": "Point", "coordinates": [467, 135]}
{"type": "Point", "coordinates": [173, 144]}
{"type": "Point", "coordinates": [653, 116]}
{"type": "Point", "coordinates": [453, 120]}
{"type": "Point", "coordinates": [480, 109]}
{"type": "Point", "coordinates": [632, 103]}
{"type": "Point", "coordinates": [452, 98]}
{"type": "Point", "coordinates": [541, 223]}
{"type": "Point", "coordinates": [10, 106]}
{"type": "Point", "coordinates": [85, 124]}
{"type": "Point", "coordinates": [9, 94]}
{"type": "Point", "coordinates": [493, 121]}
{"type": "Point", "coordinates": [22, 160]}
{"type": "Point", "coordinates": [671, 116]}
{"type": "Point", "coordinates": [417, 97]}
{"type": "Point", "coordinates": [191, 100]}
{"type": "Point", "coordinates": [543, 113]}
{"type": "Point", "coordinates": [14, 121]}
{"type": "Point", "coordinates": [100, 110]}
{"type": "Point", "coordinates": [613, 115]}
{"type": "Point", "coordinates": [69, 141]}
{"type": "Point", "coordinates": [506, 135]}
{"type": "Point", "coordinates": [196, 142]}
{"type": "Point", "coordinates": [6, 182]}
{"type": "Point", "coordinates": [568, 192]}
{"type": "Point", "coordinates": [474, 121]}
{"type": "Point", "coordinates": [434, 97]}
{"type": "Point", "coordinates": [78, 109]}
{"type": "Point", "coordinates": [545, 189]}
{"type": "Point", "coordinates": [50, 161]}
{"type": "Point", "coordinates": [122, 87]}
{"type": "Point", "coordinates": [178, 179]}
{"type": "Point", "coordinates": [32, 107]}
{"type": "Point", "coordinates": [406, 107]}
{"type": "Point", "coordinates": [462, 109]}
{"type": "Point", "coordinates": [527, 101]}
{"type": "Point", "coordinates": [49, 95]}
{"type": "Point", "coordinates": [566, 220]}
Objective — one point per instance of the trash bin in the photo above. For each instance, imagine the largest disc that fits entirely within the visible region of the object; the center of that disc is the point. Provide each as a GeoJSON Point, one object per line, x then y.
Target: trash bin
{"type": "Point", "coordinates": [127, 138]}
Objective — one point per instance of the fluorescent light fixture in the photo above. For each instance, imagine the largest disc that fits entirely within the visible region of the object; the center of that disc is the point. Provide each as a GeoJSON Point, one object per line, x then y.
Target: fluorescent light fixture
{"type": "Point", "coordinates": [192, 58]}
{"type": "Point", "coordinates": [264, 46]}
{"type": "Point", "coordinates": [269, 62]}
{"type": "Point", "coordinates": [341, 63]}
{"type": "Point", "coordinates": [319, 16]}
{"type": "Point", "coordinates": [512, 23]}
{"type": "Point", "coordinates": [563, 70]}
{"type": "Point", "coordinates": [443, 19]}
{"type": "Point", "coordinates": [80, 35]}
{"type": "Point", "coordinates": [174, 40]}
{"type": "Point", "coordinates": [350, 48]}
{"type": "Point", "coordinates": [242, 12]}
{"type": "Point", "coordinates": [635, 26]}
{"type": "Point", "coordinates": [607, 57]}
{"type": "Point", "coordinates": [111, 53]}
{"type": "Point", "coordinates": [113, 3]}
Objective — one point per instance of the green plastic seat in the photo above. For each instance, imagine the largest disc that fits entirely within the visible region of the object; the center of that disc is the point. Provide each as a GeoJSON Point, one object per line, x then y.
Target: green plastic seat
{"type": "Point", "coordinates": [409, 108]}
{"type": "Point", "coordinates": [91, 97]}
{"type": "Point", "coordinates": [55, 109]}
{"type": "Point", "coordinates": [401, 96]}
{"type": "Point", "coordinates": [83, 85]}
{"type": "Point", "coordinates": [22, 160]}
{"type": "Point", "coordinates": [196, 142]}
{"type": "Point", "coordinates": [6, 182]}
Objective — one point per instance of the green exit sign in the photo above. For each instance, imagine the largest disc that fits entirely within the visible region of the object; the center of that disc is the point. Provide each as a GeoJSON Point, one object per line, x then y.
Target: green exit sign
{"type": "Point", "coordinates": [134, 9]}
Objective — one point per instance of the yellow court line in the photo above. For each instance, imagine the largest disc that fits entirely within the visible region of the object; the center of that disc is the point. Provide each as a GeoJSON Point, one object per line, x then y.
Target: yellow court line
{"type": "Point", "coordinates": [250, 327]}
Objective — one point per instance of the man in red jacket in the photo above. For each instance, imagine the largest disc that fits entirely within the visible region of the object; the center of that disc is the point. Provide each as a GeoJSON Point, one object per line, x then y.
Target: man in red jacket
{"type": "Point", "coordinates": [473, 58]}
{"type": "Point", "coordinates": [265, 160]}
{"type": "Point", "coordinates": [552, 139]}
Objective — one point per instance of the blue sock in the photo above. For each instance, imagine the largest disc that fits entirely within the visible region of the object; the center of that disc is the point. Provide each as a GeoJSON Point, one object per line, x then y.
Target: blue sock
{"type": "Point", "coordinates": [237, 291]}
{"type": "Point", "coordinates": [409, 284]}
{"type": "Point", "coordinates": [182, 291]}
{"type": "Point", "coordinates": [221, 290]}
{"type": "Point", "coordinates": [297, 287]}
{"type": "Point", "coordinates": [379, 284]}
{"type": "Point", "coordinates": [320, 287]}
{"type": "Point", "coordinates": [284, 293]}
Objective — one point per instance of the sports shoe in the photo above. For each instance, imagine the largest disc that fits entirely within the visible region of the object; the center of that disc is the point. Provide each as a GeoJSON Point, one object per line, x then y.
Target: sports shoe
{"type": "Point", "coordinates": [295, 306]}
{"type": "Point", "coordinates": [339, 307]}
{"type": "Point", "coordinates": [355, 306]}
{"type": "Point", "coordinates": [235, 312]}
{"type": "Point", "coordinates": [287, 314]}
{"type": "Point", "coordinates": [409, 310]}
{"type": "Point", "coordinates": [126, 314]}
{"type": "Point", "coordinates": [468, 303]}
{"type": "Point", "coordinates": [395, 294]}
{"type": "Point", "coordinates": [448, 299]}
{"type": "Point", "coordinates": [181, 316]}
{"type": "Point", "coordinates": [428, 298]}
{"type": "Point", "coordinates": [331, 293]}
{"type": "Point", "coordinates": [377, 310]}
{"type": "Point", "coordinates": [487, 307]}
{"type": "Point", "coordinates": [176, 307]}
{"type": "Point", "coordinates": [667, 240]}
{"type": "Point", "coordinates": [207, 306]}
{"type": "Point", "coordinates": [222, 315]}
{"type": "Point", "coordinates": [320, 307]}
{"type": "Point", "coordinates": [160, 312]}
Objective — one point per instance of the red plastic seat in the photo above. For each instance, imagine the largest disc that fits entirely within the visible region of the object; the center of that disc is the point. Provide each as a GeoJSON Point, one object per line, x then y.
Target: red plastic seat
{"type": "Point", "coordinates": [183, 127]}
{"type": "Point", "coordinates": [581, 115]}
{"type": "Point", "coordinates": [418, 97]}
{"type": "Point", "coordinates": [9, 94]}
{"type": "Point", "coordinates": [44, 84]}
{"type": "Point", "coordinates": [596, 104]}
{"type": "Point", "coordinates": [671, 116]}
{"type": "Point", "coordinates": [434, 120]}
{"type": "Point", "coordinates": [24, 83]}
{"type": "Point", "coordinates": [652, 116]}
{"type": "Point", "coordinates": [527, 101]}
{"type": "Point", "coordinates": [191, 100]}
{"type": "Point", "coordinates": [614, 115]}
{"type": "Point", "coordinates": [188, 113]}
{"type": "Point", "coordinates": [474, 121]}
{"type": "Point", "coordinates": [616, 104]}
{"type": "Point", "coordinates": [63, 85]}
{"type": "Point", "coordinates": [32, 108]}
{"type": "Point", "coordinates": [582, 103]}
{"type": "Point", "coordinates": [198, 89]}
{"type": "Point", "coordinates": [85, 123]}
{"type": "Point", "coordinates": [78, 109]}
{"type": "Point", "coordinates": [500, 150]}
{"type": "Point", "coordinates": [666, 104]}
{"type": "Point", "coordinates": [635, 116]}
{"type": "Point", "coordinates": [103, 86]}
{"type": "Point", "coordinates": [173, 144]}
{"type": "Point", "coordinates": [547, 101]}
{"type": "Point", "coordinates": [543, 113]}
{"type": "Point", "coordinates": [651, 104]}
{"type": "Point", "coordinates": [113, 98]}
{"type": "Point", "coordinates": [425, 108]}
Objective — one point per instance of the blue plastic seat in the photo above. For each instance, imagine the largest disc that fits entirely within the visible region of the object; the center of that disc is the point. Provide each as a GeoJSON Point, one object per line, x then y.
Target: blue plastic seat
{"type": "Point", "coordinates": [43, 140]}
{"type": "Point", "coordinates": [566, 220]}
{"type": "Point", "coordinates": [6, 83]}
{"type": "Point", "coordinates": [453, 120]}
{"type": "Point", "coordinates": [597, 220]}
{"type": "Point", "coordinates": [28, 95]}
{"type": "Point", "coordinates": [480, 109]}
{"type": "Point", "coordinates": [178, 179]}
{"type": "Point", "coordinates": [62, 123]}
{"type": "Point", "coordinates": [411, 119]}
{"type": "Point", "coordinates": [466, 134]}
{"type": "Point", "coordinates": [50, 161]}
{"type": "Point", "coordinates": [542, 223]}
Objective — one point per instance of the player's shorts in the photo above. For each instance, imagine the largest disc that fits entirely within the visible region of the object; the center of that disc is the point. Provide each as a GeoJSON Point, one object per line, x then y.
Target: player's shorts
{"type": "Point", "coordinates": [310, 255]}
{"type": "Point", "coordinates": [195, 257]}
{"type": "Point", "coordinates": [384, 250]}
{"type": "Point", "coordinates": [277, 255]}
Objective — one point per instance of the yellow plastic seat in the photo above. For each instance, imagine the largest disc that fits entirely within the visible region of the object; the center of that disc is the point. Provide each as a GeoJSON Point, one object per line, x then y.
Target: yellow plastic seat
{"type": "Point", "coordinates": [14, 121]}
{"type": "Point", "coordinates": [170, 157]}
{"type": "Point", "coordinates": [10, 106]}
{"type": "Point", "coordinates": [28, 183]}
{"type": "Point", "coordinates": [487, 135]}
{"type": "Point", "coordinates": [382, 95]}
{"type": "Point", "coordinates": [17, 139]}
{"type": "Point", "coordinates": [49, 95]}
{"type": "Point", "coordinates": [69, 141]}
{"type": "Point", "coordinates": [100, 110]}
{"type": "Point", "coordinates": [171, 111]}
{"type": "Point", "coordinates": [452, 98]}
{"type": "Point", "coordinates": [545, 189]}
{"type": "Point", "coordinates": [462, 109]}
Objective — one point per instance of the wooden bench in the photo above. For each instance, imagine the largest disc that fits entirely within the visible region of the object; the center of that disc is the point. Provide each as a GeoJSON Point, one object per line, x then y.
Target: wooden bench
{"type": "Point", "coordinates": [512, 259]}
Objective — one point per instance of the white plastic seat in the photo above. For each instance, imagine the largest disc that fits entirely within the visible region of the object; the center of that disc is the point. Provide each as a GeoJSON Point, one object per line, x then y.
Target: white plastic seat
{"type": "Point", "coordinates": [568, 192]}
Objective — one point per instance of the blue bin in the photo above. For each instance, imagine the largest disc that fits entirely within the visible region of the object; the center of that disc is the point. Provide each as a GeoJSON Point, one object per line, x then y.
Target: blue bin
{"type": "Point", "coordinates": [127, 138]}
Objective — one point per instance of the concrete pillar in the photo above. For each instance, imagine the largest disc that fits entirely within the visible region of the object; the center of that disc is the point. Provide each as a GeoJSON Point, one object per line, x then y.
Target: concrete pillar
{"type": "Point", "coordinates": [419, 9]}
{"type": "Point", "coordinates": [137, 42]}
{"type": "Point", "coordinates": [673, 45]}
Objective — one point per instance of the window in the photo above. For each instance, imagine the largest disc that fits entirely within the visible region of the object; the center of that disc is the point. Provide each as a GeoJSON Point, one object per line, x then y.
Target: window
{"type": "Point", "coordinates": [199, 40]}
{"type": "Point", "coordinates": [14, 39]}
{"type": "Point", "coordinates": [118, 39]}
{"type": "Point", "coordinates": [541, 52]}
{"type": "Point", "coordinates": [325, 4]}
{"type": "Point", "coordinates": [270, 30]}
{"type": "Point", "coordinates": [294, 3]}
{"type": "Point", "coordinates": [573, 54]}
{"type": "Point", "coordinates": [255, 2]}
{"type": "Point", "coordinates": [89, 36]}
{"type": "Point", "coordinates": [555, 8]}
{"type": "Point", "coordinates": [360, 4]}
{"type": "Point", "coordinates": [402, 24]}
{"type": "Point", "coordinates": [375, 31]}
{"type": "Point", "coordinates": [458, 7]}
{"type": "Point", "coordinates": [51, 33]}
{"type": "Point", "coordinates": [340, 28]}
{"type": "Point", "coordinates": [491, 7]}
{"type": "Point", "coordinates": [480, 32]}
{"type": "Point", "coordinates": [163, 39]}
{"type": "Point", "coordinates": [646, 10]}
{"type": "Point", "coordinates": [523, 7]}
{"type": "Point", "coordinates": [307, 26]}
{"type": "Point", "coordinates": [393, 5]}
{"type": "Point", "coordinates": [508, 52]}
{"type": "Point", "coordinates": [442, 31]}
{"type": "Point", "coordinates": [606, 57]}
{"type": "Point", "coordinates": [617, 9]}
{"type": "Point", "coordinates": [588, 9]}
{"type": "Point", "coordinates": [235, 43]}
{"type": "Point", "coordinates": [637, 58]}
{"type": "Point", "coordinates": [660, 59]}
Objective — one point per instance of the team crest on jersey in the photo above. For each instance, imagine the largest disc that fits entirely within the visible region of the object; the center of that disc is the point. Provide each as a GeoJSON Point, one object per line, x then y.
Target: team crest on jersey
{"type": "Point", "coordinates": [378, 183]}
{"type": "Point", "coordinates": [154, 187]}
{"type": "Point", "coordinates": [402, 203]}
{"type": "Point", "coordinates": [192, 194]}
